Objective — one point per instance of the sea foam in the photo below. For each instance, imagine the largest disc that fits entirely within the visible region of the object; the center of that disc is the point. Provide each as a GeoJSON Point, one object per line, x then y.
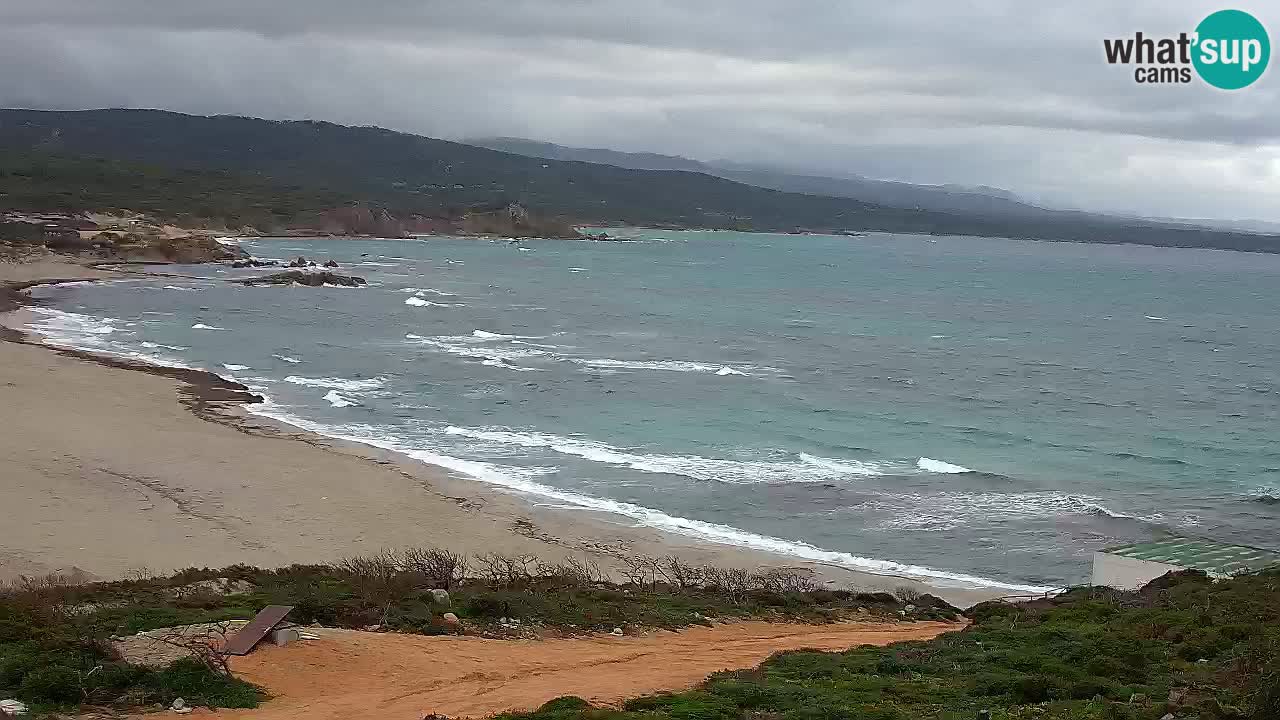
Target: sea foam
{"type": "Point", "coordinates": [338, 400]}
{"type": "Point", "coordinates": [938, 466]}
{"type": "Point", "coordinates": [807, 469]}
{"type": "Point", "coordinates": [952, 509]}
{"type": "Point", "coordinates": [337, 383]}
{"type": "Point", "coordinates": [522, 480]}
{"type": "Point", "coordinates": [667, 365]}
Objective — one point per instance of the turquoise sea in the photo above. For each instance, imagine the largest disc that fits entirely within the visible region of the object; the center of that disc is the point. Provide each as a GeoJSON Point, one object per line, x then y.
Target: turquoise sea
{"type": "Point", "coordinates": [960, 409]}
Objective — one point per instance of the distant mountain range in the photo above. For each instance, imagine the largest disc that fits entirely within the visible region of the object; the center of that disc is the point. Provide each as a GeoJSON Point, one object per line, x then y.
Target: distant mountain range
{"type": "Point", "coordinates": [286, 169]}
{"type": "Point", "coordinates": [944, 198]}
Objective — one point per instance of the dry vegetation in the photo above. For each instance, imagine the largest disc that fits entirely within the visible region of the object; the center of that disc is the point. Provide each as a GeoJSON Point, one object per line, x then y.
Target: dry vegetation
{"type": "Point", "coordinates": [1183, 645]}
{"type": "Point", "coordinates": [55, 634]}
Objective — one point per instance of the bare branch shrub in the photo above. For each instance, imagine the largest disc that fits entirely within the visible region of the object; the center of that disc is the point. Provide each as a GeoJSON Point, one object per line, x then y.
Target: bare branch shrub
{"type": "Point", "coordinates": [439, 568]}
{"type": "Point", "coordinates": [640, 570]}
{"type": "Point", "coordinates": [141, 575]}
{"type": "Point", "coordinates": [780, 580]}
{"type": "Point", "coordinates": [734, 582]}
{"type": "Point", "coordinates": [377, 578]}
{"type": "Point", "coordinates": [678, 573]}
{"type": "Point", "coordinates": [571, 572]}
{"type": "Point", "coordinates": [47, 592]}
{"type": "Point", "coordinates": [203, 643]}
{"type": "Point", "coordinates": [506, 571]}
{"type": "Point", "coordinates": [906, 594]}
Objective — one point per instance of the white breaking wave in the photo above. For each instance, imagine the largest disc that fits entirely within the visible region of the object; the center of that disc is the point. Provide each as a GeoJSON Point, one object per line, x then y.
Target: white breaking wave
{"type": "Point", "coordinates": [336, 399]}
{"type": "Point", "coordinates": [419, 301]}
{"type": "Point", "coordinates": [938, 466]}
{"type": "Point", "coordinates": [202, 326]}
{"type": "Point", "coordinates": [175, 348]}
{"type": "Point", "coordinates": [482, 345]}
{"type": "Point", "coordinates": [486, 335]}
{"type": "Point", "coordinates": [337, 383]}
{"type": "Point", "coordinates": [83, 332]}
{"type": "Point", "coordinates": [521, 479]}
{"type": "Point", "coordinates": [1154, 317]}
{"type": "Point", "coordinates": [690, 466]}
{"type": "Point", "coordinates": [507, 364]}
{"type": "Point", "coordinates": [423, 291]}
{"type": "Point", "coordinates": [670, 365]}
{"type": "Point", "coordinates": [184, 289]}
{"type": "Point", "coordinates": [947, 510]}
{"type": "Point", "coordinates": [287, 359]}
{"type": "Point", "coordinates": [493, 356]}
{"type": "Point", "coordinates": [233, 367]}
{"type": "Point", "coordinates": [72, 329]}
{"type": "Point", "coordinates": [849, 467]}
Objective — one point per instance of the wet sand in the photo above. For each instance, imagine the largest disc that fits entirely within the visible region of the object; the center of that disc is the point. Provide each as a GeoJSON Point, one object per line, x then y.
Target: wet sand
{"type": "Point", "coordinates": [109, 467]}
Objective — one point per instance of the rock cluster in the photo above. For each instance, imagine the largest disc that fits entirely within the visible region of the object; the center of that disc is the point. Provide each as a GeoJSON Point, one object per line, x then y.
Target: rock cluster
{"type": "Point", "coordinates": [309, 279]}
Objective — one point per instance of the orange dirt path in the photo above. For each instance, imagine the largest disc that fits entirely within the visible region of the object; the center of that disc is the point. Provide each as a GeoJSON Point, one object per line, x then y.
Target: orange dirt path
{"type": "Point", "coordinates": [352, 675]}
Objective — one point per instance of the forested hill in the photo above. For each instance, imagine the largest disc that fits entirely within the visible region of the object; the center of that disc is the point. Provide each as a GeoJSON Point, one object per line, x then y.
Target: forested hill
{"type": "Point", "coordinates": [411, 174]}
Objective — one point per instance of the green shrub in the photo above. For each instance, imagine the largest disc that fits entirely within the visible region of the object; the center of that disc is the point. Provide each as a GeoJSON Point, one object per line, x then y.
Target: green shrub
{"type": "Point", "coordinates": [191, 680]}
{"type": "Point", "coordinates": [52, 684]}
{"type": "Point", "coordinates": [564, 704]}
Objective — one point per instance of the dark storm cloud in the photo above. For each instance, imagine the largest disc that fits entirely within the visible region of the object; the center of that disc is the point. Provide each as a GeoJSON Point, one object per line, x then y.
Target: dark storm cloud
{"type": "Point", "coordinates": [1001, 93]}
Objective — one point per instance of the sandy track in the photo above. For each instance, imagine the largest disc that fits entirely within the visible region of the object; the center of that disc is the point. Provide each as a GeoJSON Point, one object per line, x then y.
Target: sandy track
{"type": "Point", "coordinates": [353, 675]}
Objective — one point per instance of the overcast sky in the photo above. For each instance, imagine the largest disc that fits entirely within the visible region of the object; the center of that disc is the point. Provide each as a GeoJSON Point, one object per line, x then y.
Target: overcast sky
{"type": "Point", "coordinates": [992, 92]}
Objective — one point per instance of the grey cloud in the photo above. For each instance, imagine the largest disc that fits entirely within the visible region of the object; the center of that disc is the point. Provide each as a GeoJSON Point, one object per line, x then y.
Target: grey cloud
{"type": "Point", "coordinates": [1001, 93]}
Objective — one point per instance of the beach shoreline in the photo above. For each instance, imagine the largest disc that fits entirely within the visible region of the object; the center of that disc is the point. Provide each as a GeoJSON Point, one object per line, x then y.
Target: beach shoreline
{"type": "Point", "coordinates": [119, 466]}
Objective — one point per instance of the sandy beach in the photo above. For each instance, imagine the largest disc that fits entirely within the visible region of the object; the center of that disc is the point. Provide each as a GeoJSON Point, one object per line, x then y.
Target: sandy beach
{"type": "Point", "coordinates": [111, 467]}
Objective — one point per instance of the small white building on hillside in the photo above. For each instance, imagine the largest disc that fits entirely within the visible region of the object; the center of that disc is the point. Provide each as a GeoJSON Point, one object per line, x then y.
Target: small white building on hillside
{"type": "Point", "coordinates": [1129, 567]}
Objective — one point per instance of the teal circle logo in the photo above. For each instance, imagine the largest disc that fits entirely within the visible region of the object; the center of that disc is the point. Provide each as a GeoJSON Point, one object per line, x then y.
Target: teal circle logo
{"type": "Point", "coordinates": [1232, 49]}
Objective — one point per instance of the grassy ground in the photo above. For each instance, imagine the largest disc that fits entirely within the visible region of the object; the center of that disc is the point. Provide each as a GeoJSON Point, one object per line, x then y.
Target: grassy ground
{"type": "Point", "coordinates": [52, 662]}
{"type": "Point", "coordinates": [54, 649]}
{"type": "Point", "coordinates": [1183, 645]}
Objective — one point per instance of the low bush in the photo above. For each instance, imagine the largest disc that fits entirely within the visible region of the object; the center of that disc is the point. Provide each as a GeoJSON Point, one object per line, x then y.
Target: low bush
{"type": "Point", "coordinates": [1086, 655]}
{"type": "Point", "coordinates": [52, 632]}
{"type": "Point", "coordinates": [53, 660]}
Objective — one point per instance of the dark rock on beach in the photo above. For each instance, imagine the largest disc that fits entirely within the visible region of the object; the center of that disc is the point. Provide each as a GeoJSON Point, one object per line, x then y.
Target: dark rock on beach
{"type": "Point", "coordinates": [252, 262]}
{"type": "Point", "coordinates": [310, 279]}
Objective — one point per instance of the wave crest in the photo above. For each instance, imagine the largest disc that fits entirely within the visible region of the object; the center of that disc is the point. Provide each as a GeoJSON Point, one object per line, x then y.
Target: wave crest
{"type": "Point", "coordinates": [696, 467]}
{"type": "Point", "coordinates": [939, 466]}
{"type": "Point", "coordinates": [522, 480]}
{"type": "Point", "coordinates": [337, 383]}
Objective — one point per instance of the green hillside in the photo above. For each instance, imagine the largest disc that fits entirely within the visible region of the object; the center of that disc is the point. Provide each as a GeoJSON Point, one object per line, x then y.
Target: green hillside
{"type": "Point", "coordinates": [409, 174]}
